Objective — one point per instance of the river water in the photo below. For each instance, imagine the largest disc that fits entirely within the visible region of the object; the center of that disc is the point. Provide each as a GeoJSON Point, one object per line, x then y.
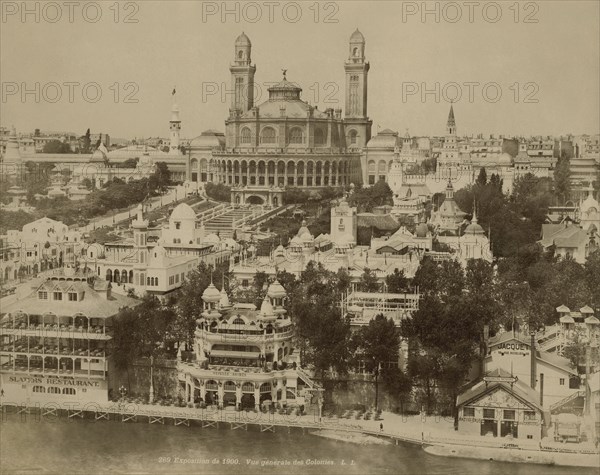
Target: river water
{"type": "Point", "coordinates": [86, 446]}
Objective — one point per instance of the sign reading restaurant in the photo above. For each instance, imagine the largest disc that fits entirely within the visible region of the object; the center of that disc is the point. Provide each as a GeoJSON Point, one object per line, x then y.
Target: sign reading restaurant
{"type": "Point", "coordinates": [511, 347]}
{"type": "Point", "coordinates": [55, 381]}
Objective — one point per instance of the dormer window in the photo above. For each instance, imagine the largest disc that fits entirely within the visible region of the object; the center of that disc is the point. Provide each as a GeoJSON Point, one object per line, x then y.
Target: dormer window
{"type": "Point", "coordinates": [72, 297]}
{"type": "Point", "coordinates": [57, 295]}
{"type": "Point", "coordinates": [43, 295]}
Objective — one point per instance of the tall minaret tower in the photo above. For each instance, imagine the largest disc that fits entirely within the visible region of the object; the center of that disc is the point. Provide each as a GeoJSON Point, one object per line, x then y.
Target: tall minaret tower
{"type": "Point", "coordinates": [242, 76]}
{"type": "Point", "coordinates": [449, 153]}
{"type": "Point", "coordinates": [174, 128]}
{"type": "Point", "coordinates": [357, 126]}
{"type": "Point", "coordinates": [357, 70]}
{"type": "Point", "coordinates": [140, 248]}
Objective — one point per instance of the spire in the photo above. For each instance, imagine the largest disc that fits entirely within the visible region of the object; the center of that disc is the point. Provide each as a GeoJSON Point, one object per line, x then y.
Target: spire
{"type": "Point", "coordinates": [474, 219]}
{"type": "Point", "coordinates": [449, 190]}
{"type": "Point", "coordinates": [451, 125]}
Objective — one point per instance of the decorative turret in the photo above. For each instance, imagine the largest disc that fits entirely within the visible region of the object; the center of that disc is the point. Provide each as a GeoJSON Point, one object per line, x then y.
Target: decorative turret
{"type": "Point", "coordinates": [211, 294]}
{"type": "Point", "coordinates": [474, 227]}
{"type": "Point", "coordinates": [266, 310]}
{"type": "Point", "coordinates": [174, 127]}
{"type": "Point", "coordinates": [224, 303]}
{"type": "Point", "coordinates": [211, 297]}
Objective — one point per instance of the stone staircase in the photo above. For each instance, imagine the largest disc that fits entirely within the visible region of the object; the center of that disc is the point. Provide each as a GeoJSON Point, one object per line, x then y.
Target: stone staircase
{"type": "Point", "coordinates": [225, 222]}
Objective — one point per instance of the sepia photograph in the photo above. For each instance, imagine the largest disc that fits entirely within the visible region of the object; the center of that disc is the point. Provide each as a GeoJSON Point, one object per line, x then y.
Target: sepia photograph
{"type": "Point", "coordinates": [353, 237]}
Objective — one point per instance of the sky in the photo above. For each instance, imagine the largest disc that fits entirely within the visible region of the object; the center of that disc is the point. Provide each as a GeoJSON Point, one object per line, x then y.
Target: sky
{"type": "Point", "coordinates": [543, 58]}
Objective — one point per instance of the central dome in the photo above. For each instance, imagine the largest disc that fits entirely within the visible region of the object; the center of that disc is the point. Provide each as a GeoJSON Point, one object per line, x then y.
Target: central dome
{"type": "Point", "coordinates": [284, 90]}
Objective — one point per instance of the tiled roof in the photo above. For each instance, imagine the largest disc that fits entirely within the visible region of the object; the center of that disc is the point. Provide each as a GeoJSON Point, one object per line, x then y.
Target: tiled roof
{"type": "Point", "coordinates": [562, 236]}
{"type": "Point", "coordinates": [94, 303]}
{"type": "Point", "coordinates": [517, 389]}
{"type": "Point", "coordinates": [379, 221]}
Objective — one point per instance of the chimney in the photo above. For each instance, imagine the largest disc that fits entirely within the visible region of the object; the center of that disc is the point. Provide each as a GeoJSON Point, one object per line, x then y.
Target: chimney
{"type": "Point", "coordinates": [533, 361]}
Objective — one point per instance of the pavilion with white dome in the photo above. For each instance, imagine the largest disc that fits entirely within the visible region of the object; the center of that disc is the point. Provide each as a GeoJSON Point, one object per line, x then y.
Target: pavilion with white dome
{"type": "Point", "coordinates": [245, 357]}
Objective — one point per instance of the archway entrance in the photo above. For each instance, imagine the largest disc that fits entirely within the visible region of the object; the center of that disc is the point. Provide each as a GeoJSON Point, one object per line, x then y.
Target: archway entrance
{"type": "Point", "coordinates": [255, 200]}
{"type": "Point", "coordinates": [248, 401]}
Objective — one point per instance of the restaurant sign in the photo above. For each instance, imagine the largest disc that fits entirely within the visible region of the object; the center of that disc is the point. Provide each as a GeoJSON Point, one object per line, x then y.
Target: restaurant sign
{"type": "Point", "coordinates": [53, 381]}
{"type": "Point", "coordinates": [511, 348]}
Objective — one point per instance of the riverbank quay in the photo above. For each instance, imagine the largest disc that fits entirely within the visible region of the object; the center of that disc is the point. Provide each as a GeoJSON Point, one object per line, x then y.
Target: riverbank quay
{"type": "Point", "coordinates": [434, 434]}
{"type": "Point", "coordinates": [515, 455]}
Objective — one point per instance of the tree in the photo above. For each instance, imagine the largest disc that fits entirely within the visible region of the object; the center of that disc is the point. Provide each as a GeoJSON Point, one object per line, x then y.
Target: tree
{"type": "Point", "coordinates": [562, 178]}
{"type": "Point", "coordinates": [86, 142]}
{"type": "Point", "coordinates": [575, 350]}
{"type": "Point", "coordinates": [378, 344]}
{"type": "Point", "coordinates": [398, 383]}
{"type": "Point", "coordinates": [161, 178]}
{"type": "Point", "coordinates": [260, 283]}
{"type": "Point", "coordinates": [56, 146]}
{"type": "Point", "coordinates": [592, 278]}
{"type": "Point", "coordinates": [322, 334]}
{"type": "Point", "coordinates": [396, 282]}
{"type": "Point", "coordinates": [368, 281]}
{"type": "Point", "coordinates": [482, 177]}
{"type": "Point", "coordinates": [422, 367]}
{"type": "Point", "coordinates": [218, 191]}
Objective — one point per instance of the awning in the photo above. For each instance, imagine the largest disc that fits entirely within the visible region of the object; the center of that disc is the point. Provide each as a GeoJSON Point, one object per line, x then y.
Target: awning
{"type": "Point", "coordinates": [235, 354]}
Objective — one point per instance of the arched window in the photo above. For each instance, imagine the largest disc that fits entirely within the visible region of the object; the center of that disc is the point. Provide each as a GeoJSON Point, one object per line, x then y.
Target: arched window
{"type": "Point", "coordinates": [246, 136]}
{"type": "Point", "coordinates": [296, 136]}
{"type": "Point", "coordinates": [268, 135]}
{"type": "Point", "coordinates": [353, 135]}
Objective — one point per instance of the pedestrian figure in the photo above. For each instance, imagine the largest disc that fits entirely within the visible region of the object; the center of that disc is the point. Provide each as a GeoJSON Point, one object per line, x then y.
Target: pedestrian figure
{"type": "Point", "coordinates": [381, 427]}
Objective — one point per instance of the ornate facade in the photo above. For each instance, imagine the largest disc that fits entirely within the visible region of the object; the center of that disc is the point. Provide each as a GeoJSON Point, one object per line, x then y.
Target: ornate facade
{"type": "Point", "coordinates": [245, 356]}
{"type": "Point", "coordinates": [285, 141]}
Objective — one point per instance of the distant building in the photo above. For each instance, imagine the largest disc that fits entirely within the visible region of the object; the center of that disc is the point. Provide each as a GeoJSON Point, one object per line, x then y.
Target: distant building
{"type": "Point", "coordinates": [160, 267]}
{"type": "Point", "coordinates": [42, 244]}
{"type": "Point", "coordinates": [571, 240]}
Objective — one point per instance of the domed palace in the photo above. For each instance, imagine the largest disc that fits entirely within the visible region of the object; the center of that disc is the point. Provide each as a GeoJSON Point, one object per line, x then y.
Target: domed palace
{"type": "Point", "coordinates": [284, 141]}
{"type": "Point", "coordinates": [244, 355]}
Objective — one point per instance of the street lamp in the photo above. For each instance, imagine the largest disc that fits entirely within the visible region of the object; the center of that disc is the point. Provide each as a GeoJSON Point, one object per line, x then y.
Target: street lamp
{"type": "Point", "coordinates": [151, 395]}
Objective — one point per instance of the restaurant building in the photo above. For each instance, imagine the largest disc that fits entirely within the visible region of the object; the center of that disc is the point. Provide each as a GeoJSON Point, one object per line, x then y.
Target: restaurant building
{"type": "Point", "coordinates": [500, 405]}
{"type": "Point", "coordinates": [55, 344]}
